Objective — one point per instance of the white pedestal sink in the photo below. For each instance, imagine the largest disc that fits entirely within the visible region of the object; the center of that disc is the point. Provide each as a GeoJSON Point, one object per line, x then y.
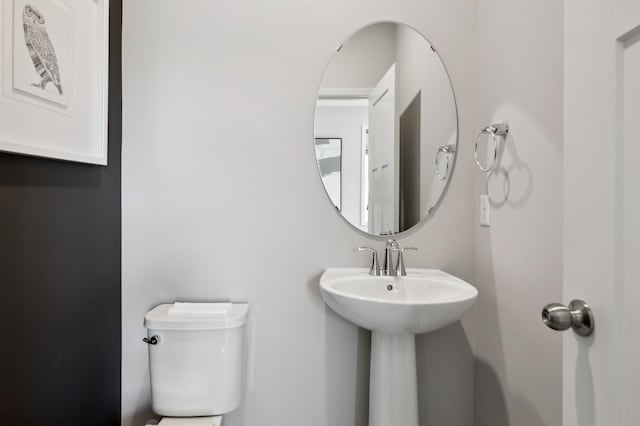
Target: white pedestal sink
{"type": "Point", "coordinates": [395, 309]}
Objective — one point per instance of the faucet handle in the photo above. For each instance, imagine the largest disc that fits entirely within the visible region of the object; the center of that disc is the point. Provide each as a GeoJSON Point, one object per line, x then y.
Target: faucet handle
{"type": "Point", "coordinates": [375, 266]}
{"type": "Point", "coordinates": [400, 265]}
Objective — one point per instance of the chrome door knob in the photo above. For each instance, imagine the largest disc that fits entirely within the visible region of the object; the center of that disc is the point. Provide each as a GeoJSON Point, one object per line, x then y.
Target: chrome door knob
{"type": "Point", "coordinates": [577, 315]}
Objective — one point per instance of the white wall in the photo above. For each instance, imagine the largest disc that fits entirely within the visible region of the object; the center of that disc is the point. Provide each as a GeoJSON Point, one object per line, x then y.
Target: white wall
{"type": "Point", "coordinates": [519, 258]}
{"type": "Point", "coordinates": [364, 58]}
{"type": "Point", "coordinates": [222, 200]}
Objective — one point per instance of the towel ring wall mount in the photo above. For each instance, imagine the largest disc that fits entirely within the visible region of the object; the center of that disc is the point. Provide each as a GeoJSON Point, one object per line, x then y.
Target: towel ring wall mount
{"type": "Point", "coordinates": [495, 131]}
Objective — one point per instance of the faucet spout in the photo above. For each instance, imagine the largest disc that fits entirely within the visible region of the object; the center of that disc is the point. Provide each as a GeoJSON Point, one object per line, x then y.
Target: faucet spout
{"type": "Point", "coordinates": [390, 247]}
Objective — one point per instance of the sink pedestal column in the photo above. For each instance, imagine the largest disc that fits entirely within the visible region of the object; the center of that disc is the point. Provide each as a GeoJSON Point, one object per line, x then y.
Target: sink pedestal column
{"type": "Point", "coordinates": [393, 394]}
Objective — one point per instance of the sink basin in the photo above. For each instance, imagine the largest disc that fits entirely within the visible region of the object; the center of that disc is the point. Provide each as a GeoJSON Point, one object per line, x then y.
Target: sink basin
{"type": "Point", "coordinates": [395, 309]}
{"type": "Point", "coordinates": [422, 301]}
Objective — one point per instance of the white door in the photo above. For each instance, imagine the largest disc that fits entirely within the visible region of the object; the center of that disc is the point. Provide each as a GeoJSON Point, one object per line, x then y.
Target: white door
{"type": "Point", "coordinates": [382, 149]}
{"type": "Point", "coordinates": [601, 373]}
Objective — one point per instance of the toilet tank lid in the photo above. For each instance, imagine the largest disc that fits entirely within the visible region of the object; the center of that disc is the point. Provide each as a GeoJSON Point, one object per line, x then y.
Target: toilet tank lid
{"type": "Point", "coordinates": [159, 318]}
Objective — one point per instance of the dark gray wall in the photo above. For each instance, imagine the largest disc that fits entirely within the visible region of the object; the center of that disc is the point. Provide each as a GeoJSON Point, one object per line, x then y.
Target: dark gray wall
{"type": "Point", "coordinates": [60, 281]}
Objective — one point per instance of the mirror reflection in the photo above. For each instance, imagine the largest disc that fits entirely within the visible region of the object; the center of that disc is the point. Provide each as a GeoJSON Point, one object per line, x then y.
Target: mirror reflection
{"type": "Point", "coordinates": [385, 129]}
{"type": "Point", "coordinates": [329, 157]}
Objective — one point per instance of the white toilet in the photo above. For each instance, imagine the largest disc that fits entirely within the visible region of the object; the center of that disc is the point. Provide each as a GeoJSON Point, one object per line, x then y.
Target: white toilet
{"type": "Point", "coordinates": [196, 359]}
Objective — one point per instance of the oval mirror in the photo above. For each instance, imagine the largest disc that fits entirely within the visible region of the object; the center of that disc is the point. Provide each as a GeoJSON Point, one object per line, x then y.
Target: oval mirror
{"type": "Point", "coordinates": [386, 129]}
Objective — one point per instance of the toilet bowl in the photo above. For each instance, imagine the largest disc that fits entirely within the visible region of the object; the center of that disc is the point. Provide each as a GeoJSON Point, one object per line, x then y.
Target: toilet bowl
{"type": "Point", "coordinates": [196, 361]}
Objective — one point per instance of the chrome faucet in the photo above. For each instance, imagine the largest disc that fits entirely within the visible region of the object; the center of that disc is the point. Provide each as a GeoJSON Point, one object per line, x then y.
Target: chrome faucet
{"type": "Point", "coordinates": [389, 248]}
{"type": "Point", "coordinates": [389, 269]}
{"type": "Point", "coordinates": [400, 269]}
{"type": "Point", "coordinates": [375, 268]}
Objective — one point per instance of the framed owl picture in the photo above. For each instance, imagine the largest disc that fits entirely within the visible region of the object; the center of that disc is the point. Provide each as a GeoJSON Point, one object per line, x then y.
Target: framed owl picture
{"type": "Point", "coordinates": [54, 73]}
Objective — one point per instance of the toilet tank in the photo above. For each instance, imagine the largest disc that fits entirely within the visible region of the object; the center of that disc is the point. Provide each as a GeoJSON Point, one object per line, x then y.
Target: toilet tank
{"type": "Point", "coordinates": [197, 364]}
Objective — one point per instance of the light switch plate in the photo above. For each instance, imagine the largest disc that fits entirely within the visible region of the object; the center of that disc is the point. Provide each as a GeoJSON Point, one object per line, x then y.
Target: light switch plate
{"type": "Point", "coordinates": [485, 211]}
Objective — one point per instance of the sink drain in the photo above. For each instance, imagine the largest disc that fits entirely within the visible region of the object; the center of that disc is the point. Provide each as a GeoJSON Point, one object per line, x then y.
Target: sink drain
{"type": "Point", "coordinates": [389, 287]}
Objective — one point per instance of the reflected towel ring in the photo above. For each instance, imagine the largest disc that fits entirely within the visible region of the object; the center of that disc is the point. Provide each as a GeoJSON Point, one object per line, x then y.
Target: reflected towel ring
{"type": "Point", "coordinates": [445, 149]}
{"type": "Point", "coordinates": [494, 130]}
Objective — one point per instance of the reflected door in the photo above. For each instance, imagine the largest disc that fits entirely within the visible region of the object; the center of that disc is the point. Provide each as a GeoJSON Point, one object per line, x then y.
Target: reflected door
{"type": "Point", "coordinates": [382, 143]}
{"type": "Point", "coordinates": [602, 210]}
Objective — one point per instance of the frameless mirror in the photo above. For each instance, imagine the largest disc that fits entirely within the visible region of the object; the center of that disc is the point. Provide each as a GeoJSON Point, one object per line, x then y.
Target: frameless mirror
{"type": "Point", "coordinates": [386, 129]}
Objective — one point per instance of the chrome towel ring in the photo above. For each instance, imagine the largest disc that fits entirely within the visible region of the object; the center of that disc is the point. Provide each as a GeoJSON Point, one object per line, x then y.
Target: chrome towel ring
{"type": "Point", "coordinates": [445, 149]}
{"type": "Point", "coordinates": [494, 131]}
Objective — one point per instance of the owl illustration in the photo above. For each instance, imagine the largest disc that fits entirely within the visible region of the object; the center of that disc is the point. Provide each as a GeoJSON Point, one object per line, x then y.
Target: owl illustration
{"type": "Point", "coordinates": [40, 48]}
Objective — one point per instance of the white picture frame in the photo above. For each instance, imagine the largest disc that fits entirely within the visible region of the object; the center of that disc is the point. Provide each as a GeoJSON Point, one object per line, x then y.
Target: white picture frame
{"type": "Point", "coordinates": [54, 71]}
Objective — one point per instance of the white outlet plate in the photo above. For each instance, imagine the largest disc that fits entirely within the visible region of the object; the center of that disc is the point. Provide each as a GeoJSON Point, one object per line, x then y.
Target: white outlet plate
{"type": "Point", "coordinates": [485, 211]}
